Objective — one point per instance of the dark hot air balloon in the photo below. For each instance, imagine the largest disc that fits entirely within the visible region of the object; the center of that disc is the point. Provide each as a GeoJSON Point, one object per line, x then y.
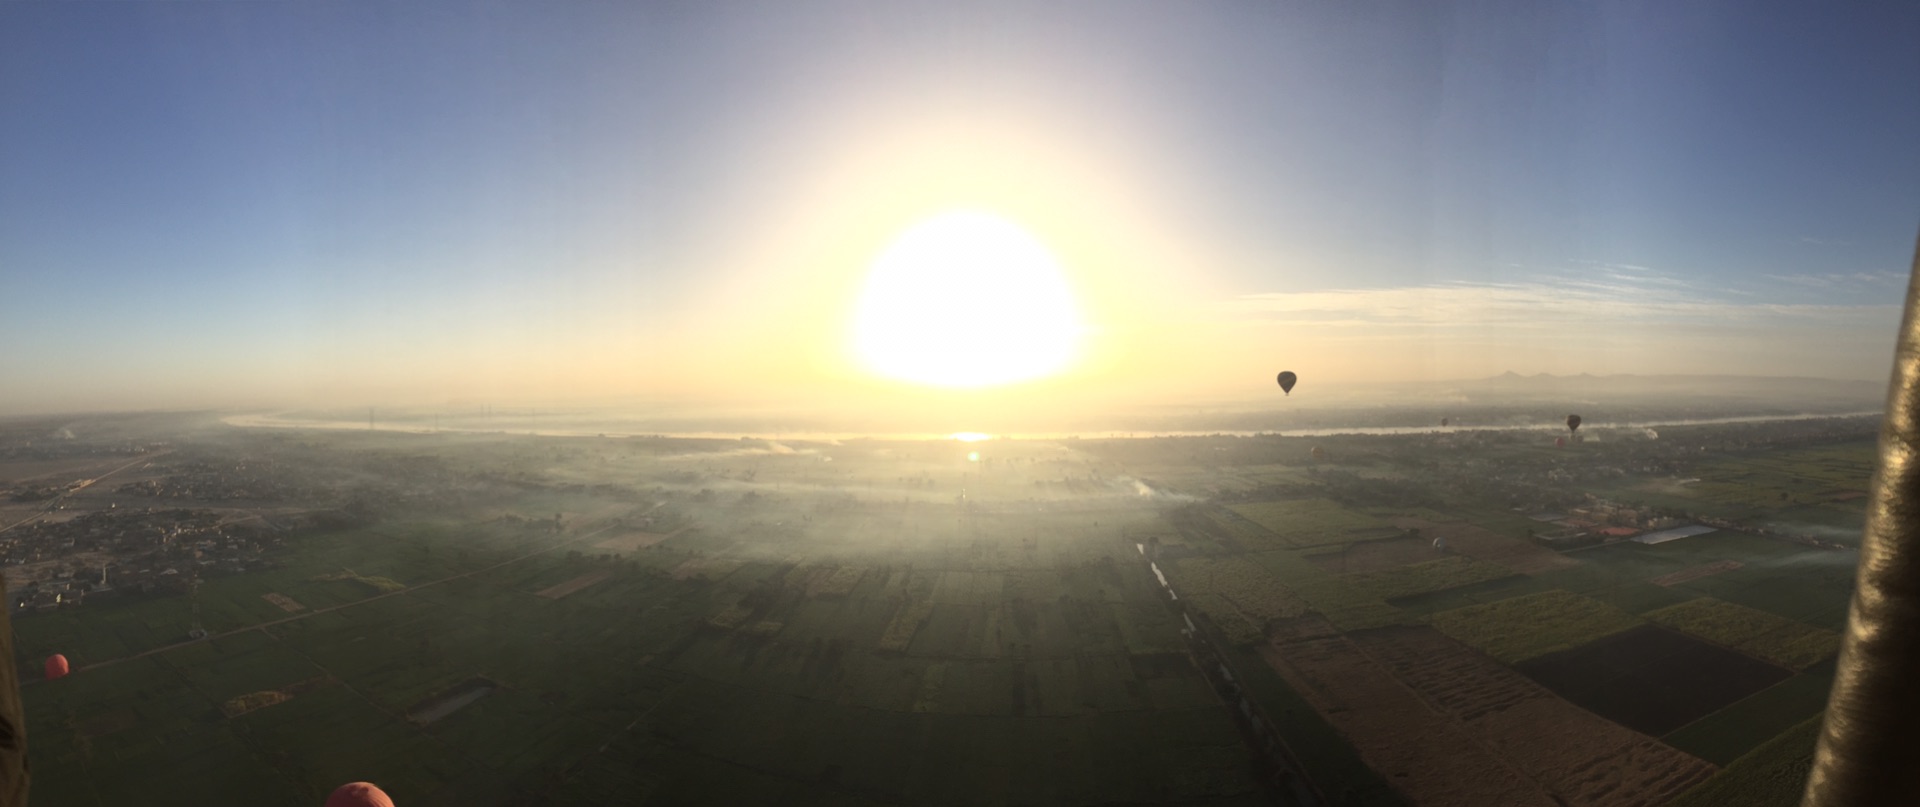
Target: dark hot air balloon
{"type": "Point", "coordinates": [1573, 423]}
{"type": "Point", "coordinates": [1287, 379]}
{"type": "Point", "coordinates": [359, 794]}
{"type": "Point", "coordinates": [56, 667]}
{"type": "Point", "coordinates": [1443, 423]}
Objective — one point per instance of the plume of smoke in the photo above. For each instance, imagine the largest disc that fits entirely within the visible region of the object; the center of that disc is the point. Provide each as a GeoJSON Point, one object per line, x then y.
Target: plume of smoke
{"type": "Point", "coordinates": [1825, 532]}
{"type": "Point", "coordinates": [771, 449]}
{"type": "Point", "coordinates": [1147, 491]}
{"type": "Point", "coordinates": [1818, 559]}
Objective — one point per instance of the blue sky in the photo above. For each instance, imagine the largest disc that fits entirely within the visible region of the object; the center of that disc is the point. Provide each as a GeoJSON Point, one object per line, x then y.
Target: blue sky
{"type": "Point", "coordinates": [243, 203]}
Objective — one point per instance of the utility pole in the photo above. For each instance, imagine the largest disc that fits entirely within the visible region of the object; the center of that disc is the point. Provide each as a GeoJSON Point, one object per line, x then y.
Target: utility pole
{"type": "Point", "coordinates": [193, 590]}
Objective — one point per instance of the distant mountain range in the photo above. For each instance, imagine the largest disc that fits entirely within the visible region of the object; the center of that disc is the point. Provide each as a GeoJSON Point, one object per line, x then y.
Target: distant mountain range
{"type": "Point", "coordinates": [1520, 401]}
{"type": "Point", "coordinates": [1783, 391]}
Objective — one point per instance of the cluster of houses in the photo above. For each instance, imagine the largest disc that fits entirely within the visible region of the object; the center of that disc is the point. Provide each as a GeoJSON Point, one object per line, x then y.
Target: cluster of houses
{"type": "Point", "coordinates": [148, 551]}
{"type": "Point", "coordinates": [1603, 520]}
{"type": "Point", "coordinates": [242, 481]}
{"type": "Point", "coordinates": [63, 447]}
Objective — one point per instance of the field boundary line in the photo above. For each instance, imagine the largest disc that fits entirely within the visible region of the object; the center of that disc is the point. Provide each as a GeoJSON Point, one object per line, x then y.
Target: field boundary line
{"type": "Point", "coordinates": [344, 605]}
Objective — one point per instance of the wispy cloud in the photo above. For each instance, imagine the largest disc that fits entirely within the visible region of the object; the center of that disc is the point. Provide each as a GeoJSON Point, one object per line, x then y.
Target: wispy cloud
{"type": "Point", "coordinates": [1636, 269]}
{"type": "Point", "coordinates": [1585, 321]}
{"type": "Point", "coordinates": [1657, 280]}
{"type": "Point", "coordinates": [1603, 300]}
{"type": "Point", "coordinates": [1841, 280]}
{"type": "Point", "coordinates": [1627, 273]}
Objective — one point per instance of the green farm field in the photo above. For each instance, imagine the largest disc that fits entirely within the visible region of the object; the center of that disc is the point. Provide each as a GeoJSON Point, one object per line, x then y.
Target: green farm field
{"type": "Point", "coordinates": [773, 637]}
{"type": "Point", "coordinates": [1726, 735]}
{"type": "Point", "coordinates": [1434, 575]}
{"type": "Point", "coordinates": [1303, 523]}
{"type": "Point", "coordinates": [1771, 775]}
{"type": "Point", "coordinates": [593, 663]}
{"type": "Point", "coordinates": [1533, 625]}
{"type": "Point", "coordinates": [402, 552]}
{"type": "Point", "coordinates": [1818, 490]}
{"type": "Point", "coordinates": [1790, 644]}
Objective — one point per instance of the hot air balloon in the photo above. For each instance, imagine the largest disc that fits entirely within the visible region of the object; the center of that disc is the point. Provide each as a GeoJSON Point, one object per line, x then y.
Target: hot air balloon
{"type": "Point", "coordinates": [56, 667]}
{"type": "Point", "coordinates": [359, 794]}
{"type": "Point", "coordinates": [1573, 423]}
{"type": "Point", "coordinates": [1287, 379]}
{"type": "Point", "coordinates": [1318, 453]}
{"type": "Point", "coordinates": [1443, 423]}
{"type": "Point", "coordinates": [1559, 442]}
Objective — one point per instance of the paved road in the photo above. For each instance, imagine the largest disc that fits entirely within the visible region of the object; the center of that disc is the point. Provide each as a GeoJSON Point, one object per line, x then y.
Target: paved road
{"type": "Point", "coordinates": [51, 503]}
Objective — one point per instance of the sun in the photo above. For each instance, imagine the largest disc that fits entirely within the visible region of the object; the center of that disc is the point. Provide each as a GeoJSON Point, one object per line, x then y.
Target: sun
{"type": "Point", "coordinates": [966, 299]}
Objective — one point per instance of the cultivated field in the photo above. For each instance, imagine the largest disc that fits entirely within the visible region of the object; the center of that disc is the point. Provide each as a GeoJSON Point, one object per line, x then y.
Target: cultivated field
{"type": "Point", "coordinates": [1696, 572]}
{"type": "Point", "coordinates": [560, 590]}
{"type": "Point", "coordinates": [1236, 593]}
{"type": "Point", "coordinates": [1451, 726]}
{"type": "Point", "coordinates": [1533, 625]}
{"type": "Point", "coordinates": [1726, 735]}
{"type": "Point", "coordinates": [1773, 775]}
{"type": "Point", "coordinates": [752, 621]}
{"type": "Point", "coordinates": [1366, 557]}
{"type": "Point", "coordinates": [1476, 542]}
{"type": "Point", "coordinates": [1016, 646]}
{"type": "Point", "coordinates": [1651, 679]}
{"type": "Point", "coordinates": [1816, 490]}
{"type": "Point", "coordinates": [1428, 576]}
{"type": "Point", "coordinates": [1303, 523]}
{"type": "Point", "coordinates": [1756, 633]}
{"type": "Point", "coordinates": [631, 541]}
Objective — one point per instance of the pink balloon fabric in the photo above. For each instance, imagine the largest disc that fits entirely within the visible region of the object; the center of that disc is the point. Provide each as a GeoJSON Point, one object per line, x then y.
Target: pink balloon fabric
{"type": "Point", "coordinates": [359, 794]}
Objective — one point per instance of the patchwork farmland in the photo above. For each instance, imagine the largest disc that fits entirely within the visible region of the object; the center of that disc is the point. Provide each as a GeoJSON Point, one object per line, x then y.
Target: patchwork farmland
{"type": "Point", "coordinates": [758, 631]}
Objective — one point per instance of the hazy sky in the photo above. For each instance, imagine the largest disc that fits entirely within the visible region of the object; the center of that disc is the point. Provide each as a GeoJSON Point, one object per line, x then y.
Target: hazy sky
{"type": "Point", "coordinates": [220, 203]}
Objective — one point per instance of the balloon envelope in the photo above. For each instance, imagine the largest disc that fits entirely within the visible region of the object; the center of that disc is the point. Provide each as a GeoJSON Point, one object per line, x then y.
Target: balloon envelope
{"type": "Point", "coordinates": [56, 666]}
{"type": "Point", "coordinates": [1287, 379]}
{"type": "Point", "coordinates": [359, 794]}
{"type": "Point", "coordinates": [1559, 442]}
{"type": "Point", "coordinates": [1443, 422]}
{"type": "Point", "coordinates": [1318, 453]}
{"type": "Point", "coordinates": [1573, 423]}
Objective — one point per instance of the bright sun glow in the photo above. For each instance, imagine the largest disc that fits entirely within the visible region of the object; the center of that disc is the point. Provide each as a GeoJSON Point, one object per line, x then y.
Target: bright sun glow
{"type": "Point", "coordinates": [966, 299]}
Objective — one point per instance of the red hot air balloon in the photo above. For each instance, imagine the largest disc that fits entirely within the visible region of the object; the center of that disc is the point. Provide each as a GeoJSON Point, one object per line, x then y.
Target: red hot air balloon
{"type": "Point", "coordinates": [1559, 442]}
{"type": "Point", "coordinates": [1287, 379]}
{"type": "Point", "coordinates": [1318, 453]}
{"type": "Point", "coordinates": [56, 667]}
{"type": "Point", "coordinates": [359, 794]}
